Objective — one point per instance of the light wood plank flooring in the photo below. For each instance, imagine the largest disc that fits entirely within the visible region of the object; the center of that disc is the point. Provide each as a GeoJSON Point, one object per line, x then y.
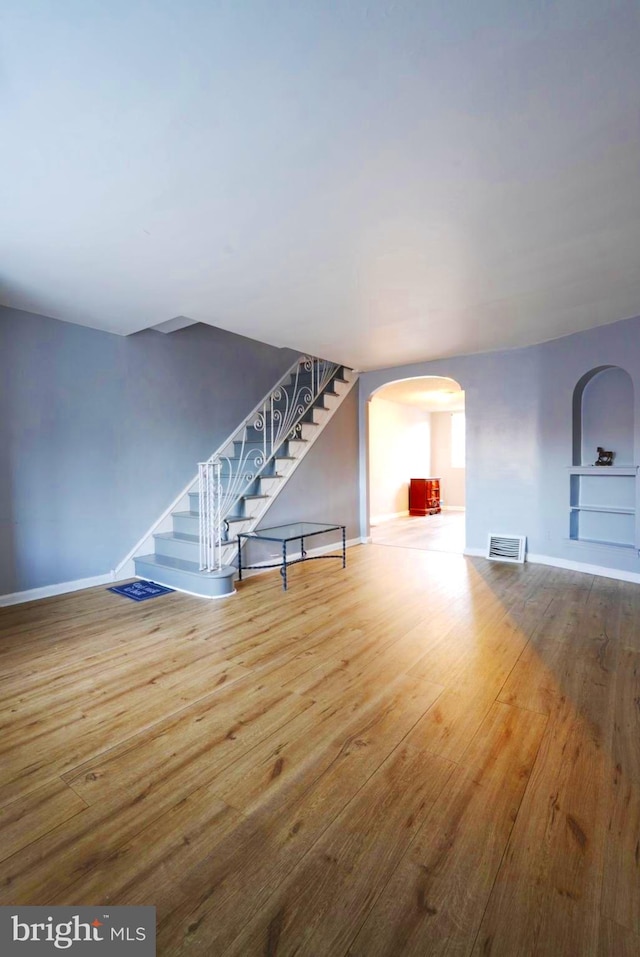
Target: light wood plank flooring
{"type": "Point", "coordinates": [421, 754]}
{"type": "Point", "coordinates": [443, 532]}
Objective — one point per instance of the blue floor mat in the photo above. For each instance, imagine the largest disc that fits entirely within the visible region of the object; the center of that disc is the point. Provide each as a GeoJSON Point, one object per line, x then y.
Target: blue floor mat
{"type": "Point", "coordinates": [140, 591]}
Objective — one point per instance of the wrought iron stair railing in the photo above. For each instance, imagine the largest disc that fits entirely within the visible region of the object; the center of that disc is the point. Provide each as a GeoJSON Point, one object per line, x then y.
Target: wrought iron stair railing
{"type": "Point", "coordinates": [229, 473]}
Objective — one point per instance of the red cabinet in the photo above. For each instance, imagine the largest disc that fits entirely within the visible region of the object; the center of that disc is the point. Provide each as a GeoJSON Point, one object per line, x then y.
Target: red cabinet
{"type": "Point", "coordinates": [424, 496]}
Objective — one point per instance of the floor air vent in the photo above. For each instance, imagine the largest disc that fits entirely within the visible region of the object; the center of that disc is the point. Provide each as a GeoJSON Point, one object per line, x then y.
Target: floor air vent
{"type": "Point", "coordinates": [506, 548]}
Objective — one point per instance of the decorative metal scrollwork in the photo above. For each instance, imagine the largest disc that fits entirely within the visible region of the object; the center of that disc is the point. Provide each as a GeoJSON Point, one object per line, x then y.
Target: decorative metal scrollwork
{"type": "Point", "coordinates": [230, 472]}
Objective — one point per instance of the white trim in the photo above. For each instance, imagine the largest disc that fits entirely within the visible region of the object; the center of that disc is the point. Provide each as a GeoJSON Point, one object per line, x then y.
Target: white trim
{"type": "Point", "coordinates": [49, 591]}
{"type": "Point", "coordinates": [602, 470]}
{"type": "Point", "coordinates": [388, 517]}
{"type": "Point", "coordinates": [588, 569]}
{"type": "Point", "coordinates": [600, 570]}
{"type": "Point", "coordinates": [453, 508]}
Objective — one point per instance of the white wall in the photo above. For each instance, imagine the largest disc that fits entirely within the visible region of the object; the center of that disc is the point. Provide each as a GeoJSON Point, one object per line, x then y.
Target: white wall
{"type": "Point", "coordinates": [399, 449]}
{"type": "Point", "coordinates": [451, 480]}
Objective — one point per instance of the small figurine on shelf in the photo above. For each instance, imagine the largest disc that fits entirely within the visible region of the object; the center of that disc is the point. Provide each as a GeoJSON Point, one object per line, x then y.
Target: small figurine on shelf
{"type": "Point", "coordinates": [604, 457]}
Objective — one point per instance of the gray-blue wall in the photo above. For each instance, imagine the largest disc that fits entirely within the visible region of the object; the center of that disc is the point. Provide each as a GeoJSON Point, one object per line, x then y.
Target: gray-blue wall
{"type": "Point", "coordinates": [520, 436]}
{"type": "Point", "coordinates": [99, 433]}
{"type": "Point", "coordinates": [326, 481]}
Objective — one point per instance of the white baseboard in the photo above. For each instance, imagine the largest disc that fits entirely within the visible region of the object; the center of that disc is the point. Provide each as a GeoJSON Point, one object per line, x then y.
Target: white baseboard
{"type": "Point", "coordinates": [601, 570]}
{"type": "Point", "coordinates": [49, 591]}
{"type": "Point", "coordinates": [388, 516]}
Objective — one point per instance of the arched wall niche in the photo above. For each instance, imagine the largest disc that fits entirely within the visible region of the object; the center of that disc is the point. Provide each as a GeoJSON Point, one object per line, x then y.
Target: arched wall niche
{"type": "Point", "coordinates": [603, 416]}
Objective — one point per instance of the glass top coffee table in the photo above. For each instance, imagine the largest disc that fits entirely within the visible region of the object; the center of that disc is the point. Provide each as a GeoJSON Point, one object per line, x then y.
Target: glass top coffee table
{"type": "Point", "coordinates": [284, 534]}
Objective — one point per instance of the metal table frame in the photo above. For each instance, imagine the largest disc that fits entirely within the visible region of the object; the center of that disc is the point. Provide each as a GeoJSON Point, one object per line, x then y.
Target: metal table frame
{"type": "Point", "coordinates": [264, 536]}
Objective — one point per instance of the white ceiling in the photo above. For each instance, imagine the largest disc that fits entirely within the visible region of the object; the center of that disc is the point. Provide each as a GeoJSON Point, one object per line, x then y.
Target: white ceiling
{"type": "Point", "coordinates": [374, 182]}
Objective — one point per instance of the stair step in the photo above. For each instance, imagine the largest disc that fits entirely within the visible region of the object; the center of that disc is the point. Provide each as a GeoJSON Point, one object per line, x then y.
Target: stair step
{"type": "Point", "coordinates": [172, 545]}
{"type": "Point", "coordinates": [249, 445]}
{"type": "Point", "coordinates": [236, 521]}
{"type": "Point", "coordinates": [177, 554]}
{"type": "Point", "coordinates": [186, 523]}
{"type": "Point", "coordinates": [276, 478]}
{"type": "Point", "coordinates": [185, 576]}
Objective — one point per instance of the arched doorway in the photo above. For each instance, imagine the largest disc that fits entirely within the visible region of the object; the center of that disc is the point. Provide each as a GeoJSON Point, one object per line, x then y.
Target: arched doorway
{"type": "Point", "coordinates": [416, 431]}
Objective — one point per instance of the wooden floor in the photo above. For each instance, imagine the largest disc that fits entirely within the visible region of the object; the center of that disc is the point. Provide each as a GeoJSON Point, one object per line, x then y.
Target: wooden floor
{"type": "Point", "coordinates": [443, 532]}
{"type": "Point", "coordinates": [422, 754]}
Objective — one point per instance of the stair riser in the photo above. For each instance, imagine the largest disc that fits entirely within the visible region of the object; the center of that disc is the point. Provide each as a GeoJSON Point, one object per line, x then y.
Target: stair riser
{"type": "Point", "coordinates": [284, 466]}
{"type": "Point", "coordinates": [175, 548]}
{"type": "Point", "coordinates": [235, 527]}
{"type": "Point", "coordinates": [186, 525]}
{"type": "Point", "coordinates": [250, 468]}
{"type": "Point", "coordinates": [305, 377]}
{"type": "Point", "coordinates": [204, 585]}
{"type": "Point", "coordinates": [308, 430]}
{"type": "Point", "coordinates": [331, 402]}
{"type": "Point", "coordinates": [254, 435]}
{"type": "Point", "coordinates": [322, 416]}
{"type": "Point", "coordinates": [269, 485]}
{"type": "Point", "coordinates": [253, 452]}
{"type": "Point", "coordinates": [296, 447]}
{"type": "Point", "coordinates": [248, 508]}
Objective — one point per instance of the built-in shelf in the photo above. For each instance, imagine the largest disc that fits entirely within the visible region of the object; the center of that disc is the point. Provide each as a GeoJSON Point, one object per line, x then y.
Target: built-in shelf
{"type": "Point", "coordinates": [603, 498]}
{"type": "Point", "coordinates": [602, 505]}
{"type": "Point", "coordinates": [604, 471]}
{"type": "Point", "coordinates": [601, 543]}
{"type": "Point", "coordinates": [603, 508]}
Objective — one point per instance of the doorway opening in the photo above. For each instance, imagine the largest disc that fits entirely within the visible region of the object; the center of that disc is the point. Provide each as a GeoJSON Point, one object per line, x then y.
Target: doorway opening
{"type": "Point", "coordinates": [417, 431]}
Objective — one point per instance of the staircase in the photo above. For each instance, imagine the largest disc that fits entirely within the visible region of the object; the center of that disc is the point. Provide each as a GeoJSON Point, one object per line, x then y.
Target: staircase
{"type": "Point", "coordinates": [195, 544]}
